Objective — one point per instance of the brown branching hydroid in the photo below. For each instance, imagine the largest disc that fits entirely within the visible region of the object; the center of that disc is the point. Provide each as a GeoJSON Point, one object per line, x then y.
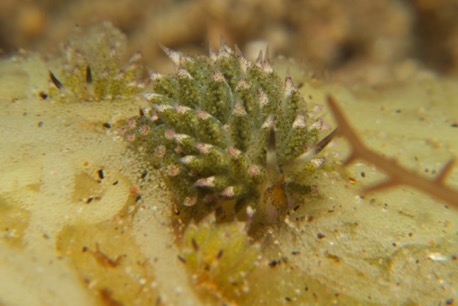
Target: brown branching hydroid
{"type": "Point", "coordinates": [396, 174]}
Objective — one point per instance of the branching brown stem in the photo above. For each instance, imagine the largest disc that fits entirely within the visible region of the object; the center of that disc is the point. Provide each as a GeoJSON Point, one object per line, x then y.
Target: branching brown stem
{"type": "Point", "coordinates": [396, 174]}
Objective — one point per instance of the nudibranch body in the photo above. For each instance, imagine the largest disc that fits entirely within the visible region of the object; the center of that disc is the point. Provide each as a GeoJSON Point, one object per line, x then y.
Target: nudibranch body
{"type": "Point", "coordinates": [223, 128]}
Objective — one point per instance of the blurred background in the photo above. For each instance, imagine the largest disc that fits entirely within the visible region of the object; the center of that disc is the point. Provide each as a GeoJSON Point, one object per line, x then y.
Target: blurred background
{"type": "Point", "coordinates": [352, 40]}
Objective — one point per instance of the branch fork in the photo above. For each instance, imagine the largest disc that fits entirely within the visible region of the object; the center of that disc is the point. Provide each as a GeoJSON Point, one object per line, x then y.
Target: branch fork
{"type": "Point", "coordinates": [396, 174]}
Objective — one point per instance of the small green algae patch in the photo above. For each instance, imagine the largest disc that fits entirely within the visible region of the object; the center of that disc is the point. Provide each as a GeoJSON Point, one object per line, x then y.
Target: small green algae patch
{"type": "Point", "coordinates": [219, 257]}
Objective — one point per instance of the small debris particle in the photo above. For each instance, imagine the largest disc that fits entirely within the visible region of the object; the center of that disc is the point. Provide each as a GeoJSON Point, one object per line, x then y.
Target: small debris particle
{"type": "Point", "coordinates": [144, 174]}
{"type": "Point", "coordinates": [310, 218]}
{"type": "Point", "coordinates": [54, 80]}
{"type": "Point", "coordinates": [274, 263]}
{"type": "Point", "coordinates": [410, 234]}
{"type": "Point", "coordinates": [271, 145]}
{"type": "Point", "coordinates": [115, 183]}
{"type": "Point", "coordinates": [104, 260]}
{"type": "Point", "coordinates": [333, 257]}
{"type": "Point", "coordinates": [454, 125]}
{"type": "Point", "coordinates": [195, 246]}
{"type": "Point", "coordinates": [107, 125]}
{"type": "Point", "coordinates": [40, 124]}
{"type": "Point", "coordinates": [398, 111]}
{"type": "Point", "coordinates": [43, 95]}
{"type": "Point", "coordinates": [417, 261]}
{"type": "Point", "coordinates": [295, 252]}
{"type": "Point", "coordinates": [454, 257]}
{"type": "Point", "coordinates": [220, 254]}
{"type": "Point", "coordinates": [89, 200]}
{"type": "Point", "coordinates": [363, 174]}
{"type": "Point", "coordinates": [306, 288]}
{"type": "Point", "coordinates": [320, 236]}
{"type": "Point", "coordinates": [181, 258]}
{"type": "Point", "coordinates": [101, 174]}
{"type": "Point", "coordinates": [107, 297]}
{"type": "Point", "coordinates": [437, 257]}
{"type": "Point", "coordinates": [84, 249]}
{"type": "Point", "coordinates": [133, 189]}
{"type": "Point", "coordinates": [88, 75]}
{"type": "Point", "coordinates": [351, 180]}
{"type": "Point", "coordinates": [287, 298]}
{"type": "Point", "coordinates": [138, 198]}
{"type": "Point", "coordinates": [449, 302]}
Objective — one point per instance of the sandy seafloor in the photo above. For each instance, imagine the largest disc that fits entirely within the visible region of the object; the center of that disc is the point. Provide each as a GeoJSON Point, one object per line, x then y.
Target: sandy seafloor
{"type": "Point", "coordinates": [397, 247]}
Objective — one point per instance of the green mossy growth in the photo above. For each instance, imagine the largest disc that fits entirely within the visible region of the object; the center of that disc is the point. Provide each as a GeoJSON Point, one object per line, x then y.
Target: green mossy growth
{"type": "Point", "coordinates": [219, 257]}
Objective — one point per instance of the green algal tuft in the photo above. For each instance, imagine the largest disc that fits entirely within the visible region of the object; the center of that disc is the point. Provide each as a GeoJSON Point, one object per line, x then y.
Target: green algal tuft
{"type": "Point", "coordinates": [219, 257]}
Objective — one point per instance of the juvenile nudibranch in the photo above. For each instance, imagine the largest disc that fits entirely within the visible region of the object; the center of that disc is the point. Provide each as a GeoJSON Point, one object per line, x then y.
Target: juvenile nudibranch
{"type": "Point", "coordinates": [224, 128]}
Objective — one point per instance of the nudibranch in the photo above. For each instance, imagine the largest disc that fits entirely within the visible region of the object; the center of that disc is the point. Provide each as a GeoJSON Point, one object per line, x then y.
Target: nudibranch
{"type": "Point", "coordinates": [222, 129]}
